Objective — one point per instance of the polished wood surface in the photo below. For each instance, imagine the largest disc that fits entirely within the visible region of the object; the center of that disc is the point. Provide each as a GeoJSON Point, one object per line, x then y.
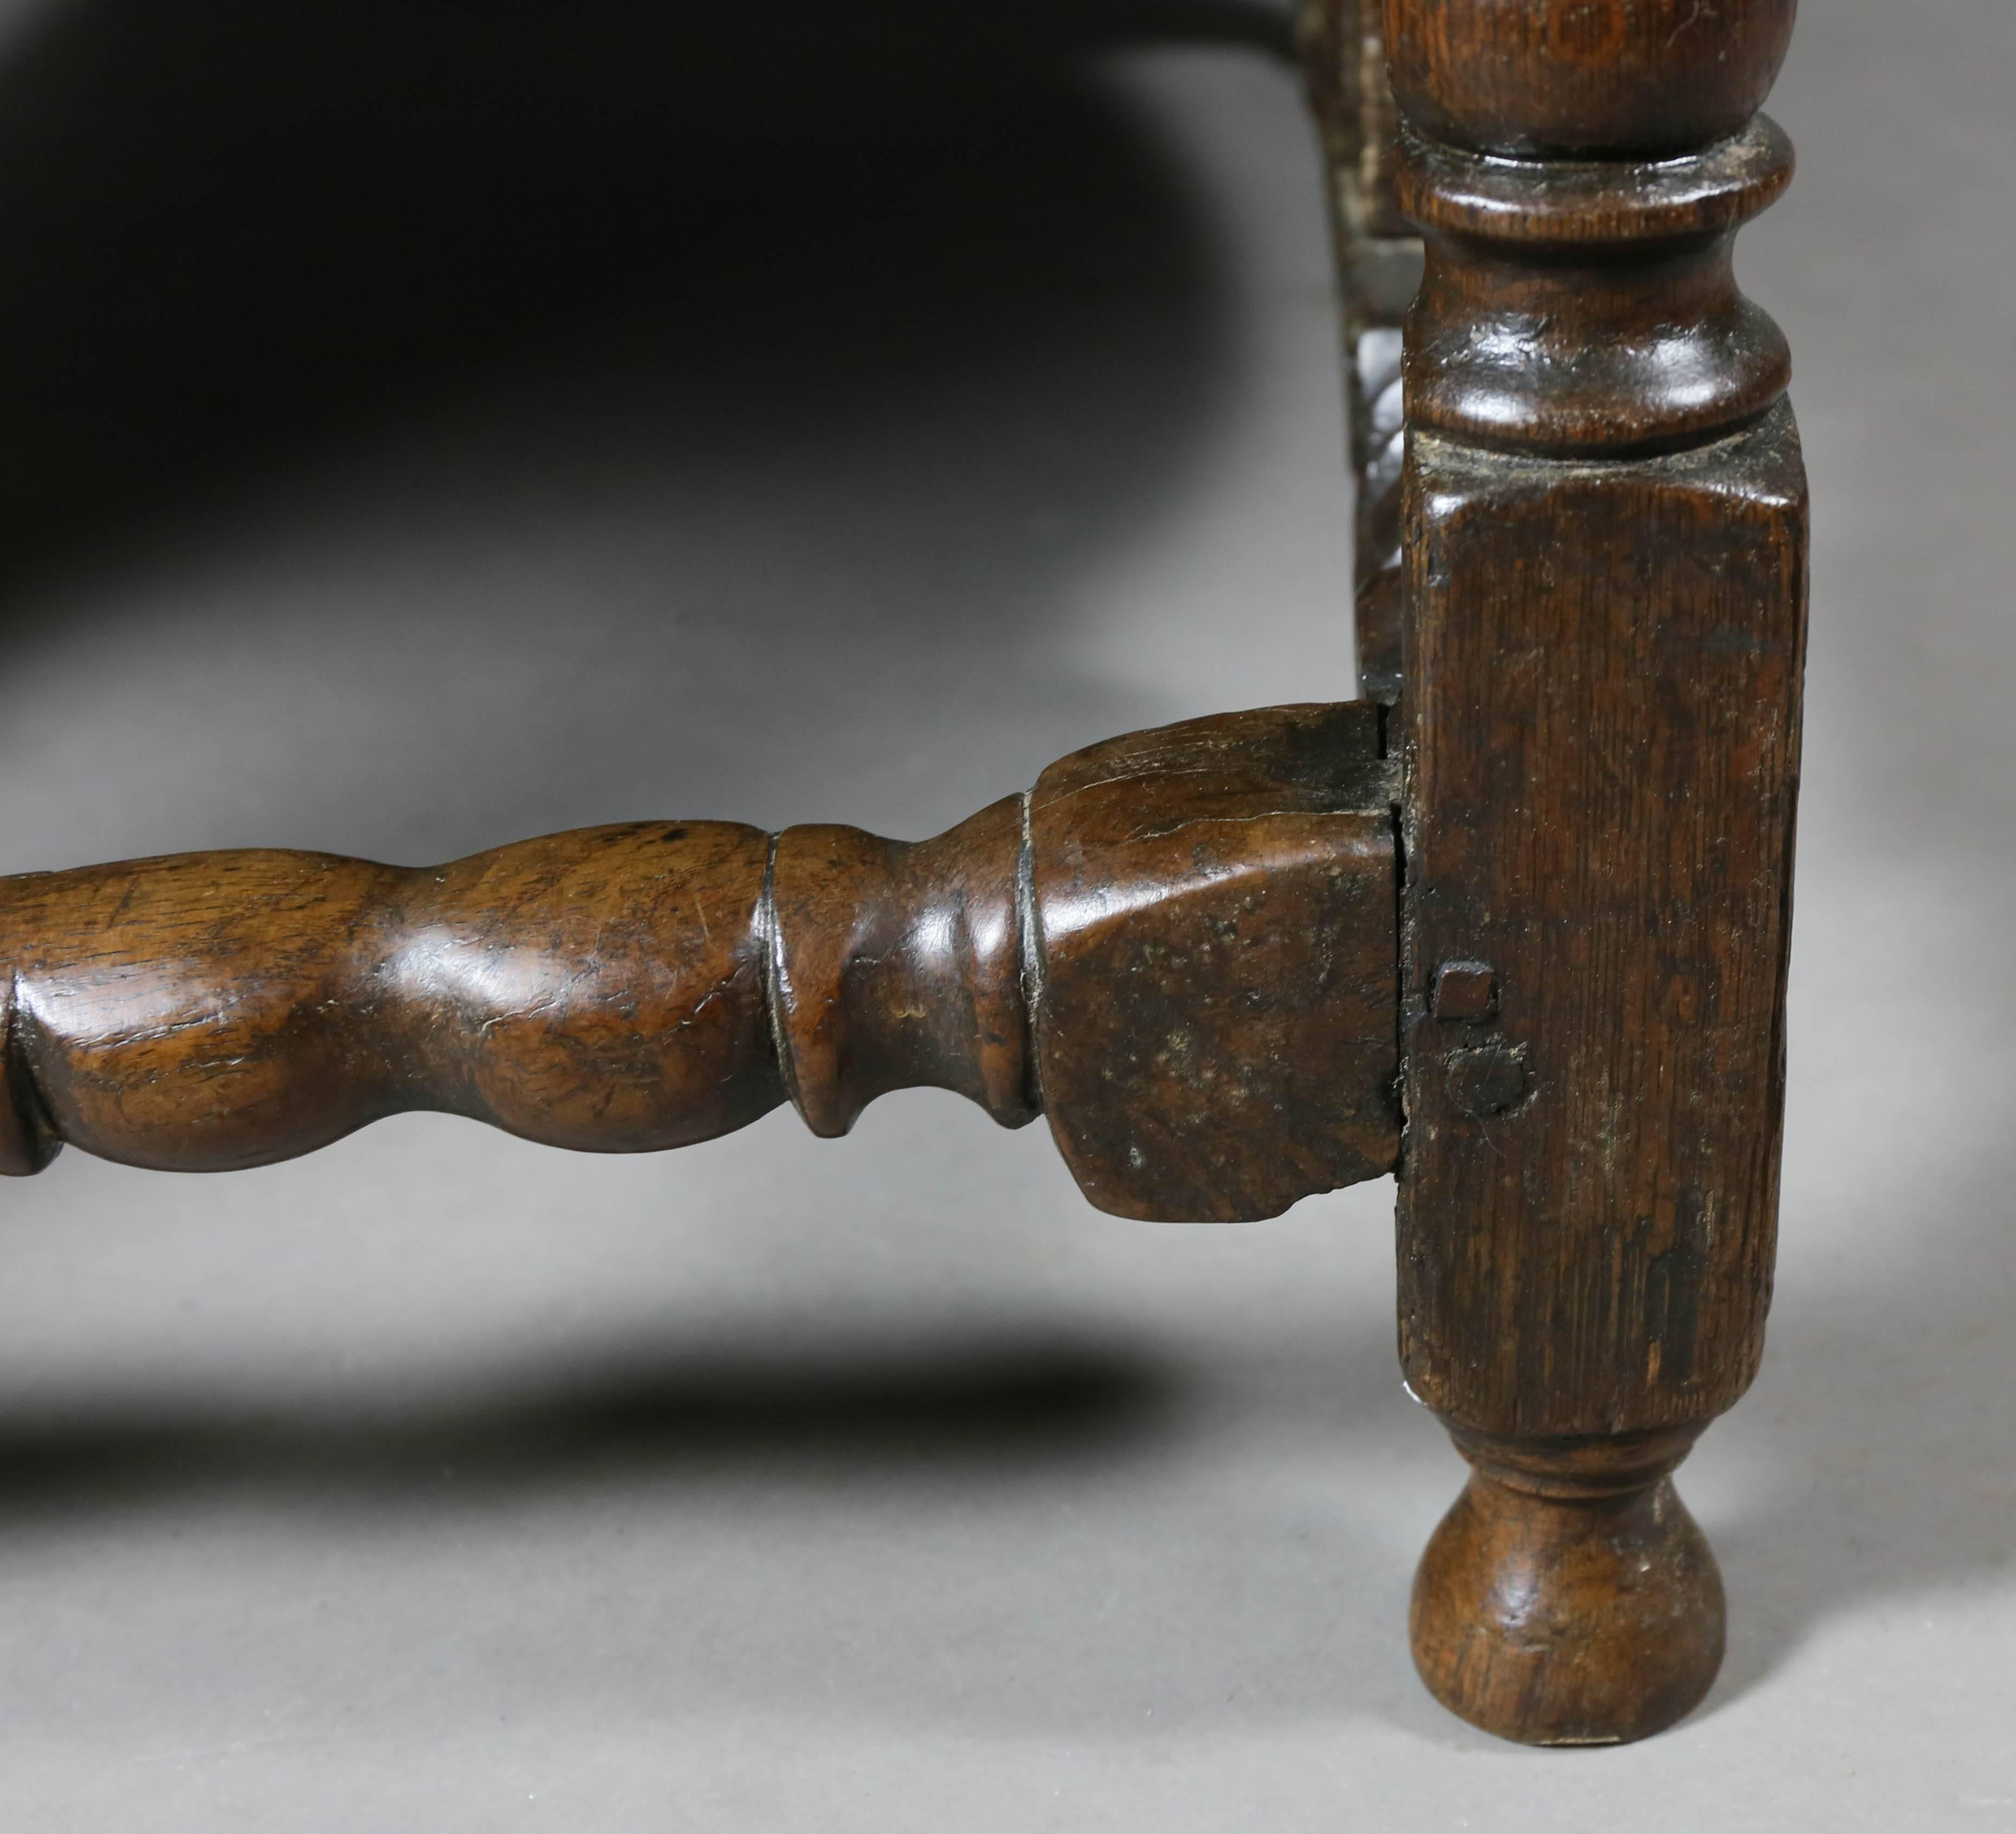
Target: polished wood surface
{"type": "Point", "coordinates": [1633, 79]}
{"type": "Point", "coordinates": [1180, 943]}
{"type": "Point", "coordinates": [1569, 1595]}
{"type": "Point", "coordinates": [1605, 532]}
{"type": "Point", "coordinates": [1596, 312]}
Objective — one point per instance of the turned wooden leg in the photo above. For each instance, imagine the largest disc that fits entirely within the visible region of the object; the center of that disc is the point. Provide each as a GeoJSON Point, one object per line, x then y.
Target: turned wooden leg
{"type": "Point", "coordinates": [1568, 1597]}
{"type": "Point", "coordinates": [1604, 527]}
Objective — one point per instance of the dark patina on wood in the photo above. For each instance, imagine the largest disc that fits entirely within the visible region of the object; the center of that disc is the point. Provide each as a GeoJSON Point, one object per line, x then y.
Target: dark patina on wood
{"type": "Point", "coordinates": [1181, 1055]}
{"type": "Point", "coordinates": [1569, 1596]}
{"type": "Point", "coordinates": [1603, 683]}
{"type": "Point", "coordinates": [1605, 535]}
{"type": "Point", "coordinates": [1181, 943]}
{"type": "Point", "coordinates": [1631, 79]}
{"type": "Point", "coordinates": [1379, 271]}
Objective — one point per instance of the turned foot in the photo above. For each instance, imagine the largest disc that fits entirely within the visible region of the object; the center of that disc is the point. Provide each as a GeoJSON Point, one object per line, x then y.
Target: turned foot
{"type": "Point", "coordinates": [1569, 1598]}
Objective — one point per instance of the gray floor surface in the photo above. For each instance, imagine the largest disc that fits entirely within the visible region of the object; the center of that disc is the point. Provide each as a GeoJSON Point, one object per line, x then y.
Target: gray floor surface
{"type": "Point", "coordinates": [441, 1483]}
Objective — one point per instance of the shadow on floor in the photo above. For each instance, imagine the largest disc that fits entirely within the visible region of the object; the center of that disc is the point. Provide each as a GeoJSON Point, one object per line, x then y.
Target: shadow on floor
{"type": "Point", "coordinates": [1893, 1403]}
{"type": "Point", "coordinates": [1006, 1404]}
{"type": "Point", "coordinates": [1021, 1532]}
{"type": "Point", "coordinates": [676, 409]}
{"type": "Point", "coordinates": [233, 230]}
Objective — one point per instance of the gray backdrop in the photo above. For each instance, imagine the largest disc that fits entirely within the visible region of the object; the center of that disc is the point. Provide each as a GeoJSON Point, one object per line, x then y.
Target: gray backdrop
{"type": "Point", "coordinates": [411, 443]}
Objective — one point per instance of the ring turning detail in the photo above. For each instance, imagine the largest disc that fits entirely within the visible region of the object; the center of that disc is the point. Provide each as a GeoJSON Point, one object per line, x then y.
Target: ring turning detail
{"type": "Point", "coordinates": [1602, 527]}
{"type": "Point", "coordinates": [1180, 944]}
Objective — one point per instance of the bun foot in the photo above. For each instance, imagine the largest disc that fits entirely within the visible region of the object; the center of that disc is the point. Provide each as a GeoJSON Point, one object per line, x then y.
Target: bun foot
{"type": "Point", "coordinates": [1569, 1598]}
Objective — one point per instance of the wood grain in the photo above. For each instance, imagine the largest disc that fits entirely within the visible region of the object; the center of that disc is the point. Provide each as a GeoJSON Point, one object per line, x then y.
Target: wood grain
{"type": "Point", "coordinates": [1605, 534]}
{"type": "Point", "coordinates": [1184, 943]}
{"type": "Point", "coordinates": [1594, 311]}
{"type": "Point", "coordinates": [1568, 1593]}
{"type": "Point", "coordinates": [1619, 79]}
{"type": "Point", "coordinates": [1239, 1049]}
{"type": "Point", "coordinates": [1603, 709]}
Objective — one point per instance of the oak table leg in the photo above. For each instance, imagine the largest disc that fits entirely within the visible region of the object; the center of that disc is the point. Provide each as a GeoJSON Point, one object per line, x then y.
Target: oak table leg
{"type": "Point", "coordinates": [1605, 532]}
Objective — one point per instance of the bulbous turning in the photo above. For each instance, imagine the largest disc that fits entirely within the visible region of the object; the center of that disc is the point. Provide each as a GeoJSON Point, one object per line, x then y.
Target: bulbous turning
{"type": "Point", "coordinates": [1568, 1597]}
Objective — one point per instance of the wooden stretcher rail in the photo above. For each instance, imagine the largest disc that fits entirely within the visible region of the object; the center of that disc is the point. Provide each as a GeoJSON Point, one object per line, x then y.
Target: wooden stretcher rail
{"type": "Point", "coordinates": [1182, 943]}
